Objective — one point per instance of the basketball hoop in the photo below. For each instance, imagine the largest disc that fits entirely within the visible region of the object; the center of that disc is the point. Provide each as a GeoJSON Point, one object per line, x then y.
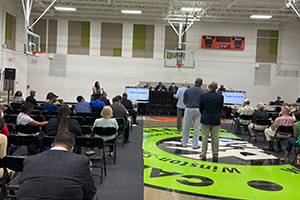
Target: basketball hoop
{"type": "Point", "coordinates": [179, 65]}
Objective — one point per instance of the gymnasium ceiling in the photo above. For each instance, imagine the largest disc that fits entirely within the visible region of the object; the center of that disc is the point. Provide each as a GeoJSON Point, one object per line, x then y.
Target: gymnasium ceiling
{"type": "Point", "coordinates": [155, 11]}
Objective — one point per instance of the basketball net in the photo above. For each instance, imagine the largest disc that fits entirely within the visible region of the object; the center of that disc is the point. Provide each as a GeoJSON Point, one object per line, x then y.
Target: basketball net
{"type": "Point", "coordinates": [37, 56]}
{"type": "Point", "coordinates": [179, 65]}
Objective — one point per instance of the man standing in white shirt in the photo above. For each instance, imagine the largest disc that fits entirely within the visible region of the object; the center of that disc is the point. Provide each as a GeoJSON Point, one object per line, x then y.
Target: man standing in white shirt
{"type": "Point", "coordinates": [180, 105]}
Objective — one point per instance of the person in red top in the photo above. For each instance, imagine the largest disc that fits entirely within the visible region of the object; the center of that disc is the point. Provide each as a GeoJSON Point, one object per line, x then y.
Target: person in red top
{"type": "Point", "coordinates": [3, 127]}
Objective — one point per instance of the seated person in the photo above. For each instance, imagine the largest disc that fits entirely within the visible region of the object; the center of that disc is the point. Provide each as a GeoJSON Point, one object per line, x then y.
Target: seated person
{"type": "Point", "coordinates": [104, 99]}
{"type": "Point", "coordinates": [63, 123]}
{"type": "Point", "coordinates": [245, 110]}
{"type": "Point", "coordinates": [82, 106]}
{"type": "Point", "coordinates": [221, 89]}
{"type": "Point", "coordinates": [148, 86]}
{"type": "Point", "coordinates": [18, 98]}
{"type": "Point", "coordinates": [260, 114]}
{"type": "Point", "coordinates": [128, 105]}
{"type": "Point", "coordinates": [50, 105]}
{"type": "Point", "coordinates": [24, 118]}
{"type": "Point", "coordinates": [120, 112]}
{"type": "Point", "coordinates": [96, 104]}
{"type": "Point", "coordinates": [3, 127]}
{"type": "Point", "coordinates": [31, 99]}
{"type": "Point", "coordinates": [278, 102]}
{"type": "Point", "coordinates": [48, 98]}
{"type": "Point", "coordinates": [106, 122]}
{"type": "Point", "coordinates": [294, 141]}
{"type": "Point", "coordinates": [284, 120]}
{"type": "Point", "coordinates": [57, 173]}
{"type": "Point", "coordinates": [160, 87]}
{"type": "Point", "coordinates": [173, 88]}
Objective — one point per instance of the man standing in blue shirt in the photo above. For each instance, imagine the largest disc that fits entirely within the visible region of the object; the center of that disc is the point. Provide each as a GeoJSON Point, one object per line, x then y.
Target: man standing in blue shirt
{"type": "Point", "coordinates": [191, 98]}
{"type": "Point", "coordinates": [82, 106]}
{"type": "Point", "coordinates": [97, 105]}
{"type": "Point", "coordinates": [50, 106]}
{"type": "Point", "coordinates": [180, 105]}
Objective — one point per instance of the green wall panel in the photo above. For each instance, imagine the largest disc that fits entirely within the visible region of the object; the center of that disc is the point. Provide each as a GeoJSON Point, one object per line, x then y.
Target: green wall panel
{"type": "Point", "coordinates": [9, 27]}
{"type": "Point", "coordinates": [273, 43]}
{"type": "Point", "coordinates": [274, 33]}
{"type": "Point", "coordinates": [139, 36]}
{"type": "Point", "coordinates": [117, 52]}
{"type": "Point", "coordinates": [85, 34]}
{"type": "Point", "coordinates": [43, 47]}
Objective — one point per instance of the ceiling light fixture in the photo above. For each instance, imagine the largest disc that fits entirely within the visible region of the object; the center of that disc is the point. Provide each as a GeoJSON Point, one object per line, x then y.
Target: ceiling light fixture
{"type": "Point", "coordinates": [191, 9]}
{"type": "Point", "coordinates": [131, 11]}
{"type": "Point", "coordinates": [261, 16]}
{"type": "Point", "coordinates": [65, 9]}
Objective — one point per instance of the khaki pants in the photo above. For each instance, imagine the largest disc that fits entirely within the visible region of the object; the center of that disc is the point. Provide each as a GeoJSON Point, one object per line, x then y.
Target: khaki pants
{"type": "Point", "coordinates": [3, 146]}
{"type": "Point", "coordinates": [179, 117]}
{"type": "Point", "coordinates": [254, 127]}
{"type": "Point", "coordinates": [214, 131]}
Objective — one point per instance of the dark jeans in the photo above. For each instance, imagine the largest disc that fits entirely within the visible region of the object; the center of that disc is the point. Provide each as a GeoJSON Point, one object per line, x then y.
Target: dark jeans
{"type": "Point", "coordinates": [290, 143]}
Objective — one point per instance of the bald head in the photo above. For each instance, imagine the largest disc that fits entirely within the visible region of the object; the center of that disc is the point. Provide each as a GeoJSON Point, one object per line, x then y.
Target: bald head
{"type": "Point", "coordinates": [184, 83]}
{"type": "Point", "coordinates": [198, 81]}
{"type": "Point", "coordinates": [213, 85]}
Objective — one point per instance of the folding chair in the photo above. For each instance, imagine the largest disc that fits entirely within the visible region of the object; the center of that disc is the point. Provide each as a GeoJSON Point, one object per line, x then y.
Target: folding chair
{"type": "Point", "coordinates": [89, 120]}
{"type": "Point", "coordinates": [79, 119]}
{"type": "Point", "coordinates": [282, 134]}
{"type": "Point", "coordinates": [122, 125]}
{"type": "Point", "coordinates": [23, 140]}
{"type": "Point", "coordinates": [82, 114]}
{"type": "Point", "coordinates": [245, 117]}
{"type": "Point", "coordinates": [108, 131]}
{"type": "Point", "coordinates": [261, 123]}
{"type": "Point", "coordinates": [11, 119]}
{"type": "Point", "coordinates": [27, 129]}
{"type": "Point", "coordinates": [86, 130]}
{"type": "Point", "coordinates": [15, 105]}
{"type": "Point", "coordinates": [12, 111]}
{"type": "Point", "coordinates": [39, 118]}
{"type": "Point", "coordinates": [92, 143]}
{"type": "Point", "coordinates": [35, 112]}
{"type": "Point", "coordinates": [48, 117]}
{"type": "Point", "coordinates": [40, 108]}
{"type": "Point", "coordinates": [14, 163]}
{"type": "Point", "coordinates": [45, 113]}
{"type": "Point", "coordinates": [47, 142]}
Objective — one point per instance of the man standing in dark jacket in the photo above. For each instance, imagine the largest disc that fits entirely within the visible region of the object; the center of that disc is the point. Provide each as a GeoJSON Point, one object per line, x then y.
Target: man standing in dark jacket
{"type": "Point", "coordinates": [211, 104]}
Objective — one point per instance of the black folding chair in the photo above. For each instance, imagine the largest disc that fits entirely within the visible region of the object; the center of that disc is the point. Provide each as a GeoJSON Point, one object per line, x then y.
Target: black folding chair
{"type": "Point", "coordinates": [29, 141]}
{"type": "Point", "coordinates": [79, 119]}
{"type": "Point", "coordinates": [47, 141]}
{"type": "Point", "coordinates": [122, 126]}
{"type": "Point", "coordinates": [282, 134]}
{"type": "Point", "coordinates": [92, 143]}
{"type": "Point", "coordinates": [27, 129]}
{"type": "Point", "coordinates": [86, 129]}
{"type": "Point", "coordinates": [12, 111]}
{"type": "Point", "coordinates": [82, 114]}
{"type": "Point", "coordinates": [261, 122]}
{"type": "Point", "coordinates": [35, 112]}
{"type": "Point", "coordinates": [10, 128]}
{"type": "Point", "coordinates": [39, 118]}
{"type": "Point", "coordinates": [89, 120]}
{"type": "Point", "coordinates": [245, 125]}
{"type": "Point", "coordinates": [48, 117]}
{"type": "Point", "coordinates": [14, 163]}
{"type": "Point", "coordinates": [10, 119]}
{"type": "Point", "coordinates": [40, 108]}
{"type": "Point", "coordinates": [101, 131]}
{"type": "Point", "coordinates": [45, 113]}
{"type": "Point", "coordinates": [15, 105]}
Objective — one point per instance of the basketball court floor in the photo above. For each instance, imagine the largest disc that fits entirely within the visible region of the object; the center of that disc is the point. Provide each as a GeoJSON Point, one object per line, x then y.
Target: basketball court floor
{"type": "Point", "coordinates": [243, 171]}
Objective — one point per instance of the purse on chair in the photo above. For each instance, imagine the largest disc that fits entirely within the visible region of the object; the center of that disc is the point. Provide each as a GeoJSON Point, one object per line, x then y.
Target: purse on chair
{"type": "Point", "coordinates": [298, 160]}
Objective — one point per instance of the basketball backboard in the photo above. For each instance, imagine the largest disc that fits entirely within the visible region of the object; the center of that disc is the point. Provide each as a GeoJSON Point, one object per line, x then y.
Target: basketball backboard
{"type": "Point", "coordinates": [176, 58]}
{"type": "Point", "coordinates": [32, 43]}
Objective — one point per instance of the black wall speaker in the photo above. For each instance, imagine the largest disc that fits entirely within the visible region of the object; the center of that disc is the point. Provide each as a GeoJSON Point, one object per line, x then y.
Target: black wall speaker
{"type": "Point", "coordinates": [10, 74]}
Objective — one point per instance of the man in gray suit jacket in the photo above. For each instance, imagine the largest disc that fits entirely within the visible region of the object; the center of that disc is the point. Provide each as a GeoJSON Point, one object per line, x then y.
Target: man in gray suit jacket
{"type": "Point", "coordinates": [57, 173]}
{"type": "Point", "coordinates": [211, 104]}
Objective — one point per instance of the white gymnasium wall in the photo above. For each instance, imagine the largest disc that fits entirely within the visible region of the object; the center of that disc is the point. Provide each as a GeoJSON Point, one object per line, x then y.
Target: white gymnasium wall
{"type": "Point", "coordinates": [234, 69]}
{"type": "Point", "coordinates": [19, 60]}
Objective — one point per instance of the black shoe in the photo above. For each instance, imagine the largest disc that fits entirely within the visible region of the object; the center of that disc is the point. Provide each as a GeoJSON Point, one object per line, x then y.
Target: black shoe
{"type": "Point", "coordinates": [269, 149]}
{"type": "Point", "coordinates": [127, 141]}
{"type": "Point", "coordinates": [136, 123]}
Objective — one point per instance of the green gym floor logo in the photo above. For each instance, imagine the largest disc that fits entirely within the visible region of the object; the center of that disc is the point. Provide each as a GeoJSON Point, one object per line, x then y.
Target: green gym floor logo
{"type": "Point", "coordinates": [243, 172]}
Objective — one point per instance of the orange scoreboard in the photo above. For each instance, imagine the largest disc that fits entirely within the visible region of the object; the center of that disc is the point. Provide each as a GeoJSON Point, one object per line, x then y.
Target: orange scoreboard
{"type": "Point", "coordinates": [223, 42]}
